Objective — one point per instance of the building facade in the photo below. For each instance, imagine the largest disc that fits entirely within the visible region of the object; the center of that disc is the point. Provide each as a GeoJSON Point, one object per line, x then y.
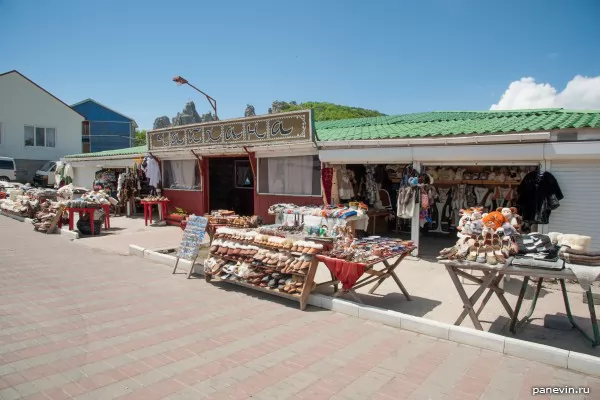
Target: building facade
{"type": "Point", "coordinates": [35, 126]}
{"type": "Point", "coordinates": [104, 128]}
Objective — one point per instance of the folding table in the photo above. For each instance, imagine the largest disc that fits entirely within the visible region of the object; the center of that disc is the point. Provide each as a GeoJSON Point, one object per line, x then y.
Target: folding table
{"type": "Point", "coordinates": [490, 281]}
{"type": "Point", "coordinates": [349, 274]}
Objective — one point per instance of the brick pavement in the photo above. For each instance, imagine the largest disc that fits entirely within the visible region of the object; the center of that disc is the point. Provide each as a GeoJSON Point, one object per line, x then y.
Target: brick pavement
{"type": "Point", "coordinates": [83, 324]}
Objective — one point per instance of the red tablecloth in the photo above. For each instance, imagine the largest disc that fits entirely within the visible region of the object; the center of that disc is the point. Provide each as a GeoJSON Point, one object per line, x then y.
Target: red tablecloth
{"type": "Point", "coordinates": [347, 272]}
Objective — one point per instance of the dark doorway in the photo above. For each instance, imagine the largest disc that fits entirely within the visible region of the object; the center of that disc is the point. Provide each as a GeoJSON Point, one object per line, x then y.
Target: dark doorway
{"type": "Point", "coordinates": [231, 185]}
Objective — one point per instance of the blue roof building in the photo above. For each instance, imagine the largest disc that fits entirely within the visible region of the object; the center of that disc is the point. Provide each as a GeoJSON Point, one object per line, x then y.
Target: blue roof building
{"type": "Point", "coordinates": [104, 129]}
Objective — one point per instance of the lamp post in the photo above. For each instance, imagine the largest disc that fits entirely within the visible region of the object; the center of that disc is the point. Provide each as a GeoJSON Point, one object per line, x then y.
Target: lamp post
{"type": "Point", "coordinates": [182, 81]}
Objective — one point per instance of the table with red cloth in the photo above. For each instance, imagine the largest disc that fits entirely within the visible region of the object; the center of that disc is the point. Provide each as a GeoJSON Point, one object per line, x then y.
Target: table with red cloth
{"type": "Point", "coordinates": [350, 273]}
{"type": "Point", "coordinates": [162, 209]}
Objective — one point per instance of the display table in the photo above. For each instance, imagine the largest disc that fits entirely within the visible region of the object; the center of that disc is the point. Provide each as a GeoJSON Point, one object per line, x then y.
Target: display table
{"type": "Point", "coordinates": [81, 211]}
{"type": "Point", "coordinates": [106, 208]}
{"type": "Point", "coordinates": [349, 274]}
{"type": "Point", "coordinates": [211, 229]}
{"type": "Point", "coordinates": [490, 281]}
{"type": "Point", "coordinates": [162, 209]}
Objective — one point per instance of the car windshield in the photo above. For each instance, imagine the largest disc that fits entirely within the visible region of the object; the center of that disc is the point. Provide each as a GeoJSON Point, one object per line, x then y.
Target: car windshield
{"type": "Point", "coordinates": [47, 166]}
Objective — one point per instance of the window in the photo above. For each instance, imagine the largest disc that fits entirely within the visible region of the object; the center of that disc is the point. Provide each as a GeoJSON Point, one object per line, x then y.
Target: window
{"type": "Point", "coordinates": [181, 174]}
{"type": "Point", "coordinates": [299, 175]}
{"type": "Point", "coordinates": [39, 136]}
{"type": "Point", "coordinates": [6, 164]}
{"type": "Point", "coordinates": [244, 179]}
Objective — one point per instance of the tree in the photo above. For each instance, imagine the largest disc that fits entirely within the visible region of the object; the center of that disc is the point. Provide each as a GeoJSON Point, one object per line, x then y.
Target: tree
{"type": "Point", "coordinates": [140, 137]}
{"type": "Point", "coordinates": [324, 111]}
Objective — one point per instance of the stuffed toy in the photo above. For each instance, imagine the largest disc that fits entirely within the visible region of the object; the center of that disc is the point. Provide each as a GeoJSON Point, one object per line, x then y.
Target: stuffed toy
{"type": "Point", "coordinates": [510, 214]}
{"type": "Point", "coordinates": [464, 224]}
{"type": "Point", "coordinates": [492, 176]}
{"type": "Point", "coordinates": [513, 173]}
{"type": "Point", "coordinates": [459, 174]}
{"type": "Point", "coordinates": [493, 220]}
{"type": "Point", "coordinates": [451, 174]}
{"type": "Point", "coordinates": [444, 174]}
{"type": "Point", "coordinates": [476, 220]}
{"type": "Point", "coordinates": [507, 230]}
{"type": "Point", "coordinates": [431, 171]}
{"type": "Point", "coordinates": [575, 242]}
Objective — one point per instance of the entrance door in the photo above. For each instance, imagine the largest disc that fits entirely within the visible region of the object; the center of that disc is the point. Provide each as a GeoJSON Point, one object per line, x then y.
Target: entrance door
{"type": "Point", "coordinates": [231, 185]}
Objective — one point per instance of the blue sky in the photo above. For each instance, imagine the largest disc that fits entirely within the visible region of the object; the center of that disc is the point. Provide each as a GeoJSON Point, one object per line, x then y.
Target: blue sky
{"type": "Point", "coordinates": [393, 56]}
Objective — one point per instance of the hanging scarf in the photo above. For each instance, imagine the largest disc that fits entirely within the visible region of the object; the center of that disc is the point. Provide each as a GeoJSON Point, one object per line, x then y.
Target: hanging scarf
{"type": "Point", "coordinates": [327, 182]}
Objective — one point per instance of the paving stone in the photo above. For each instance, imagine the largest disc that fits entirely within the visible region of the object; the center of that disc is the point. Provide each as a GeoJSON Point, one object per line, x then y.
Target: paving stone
{"type": "Point", "coordinates": [93, 326]}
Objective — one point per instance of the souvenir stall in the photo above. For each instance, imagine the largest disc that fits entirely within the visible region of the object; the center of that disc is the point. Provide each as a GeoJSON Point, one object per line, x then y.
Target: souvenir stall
{"type": "Point", "coordinates": [313, 218]}
{"type": "Point", "coordinates": [244, 165]}
{"type": "Point", "coordinates": [93, 209]}
{"type": "Point", "coordinates": [494, 244]}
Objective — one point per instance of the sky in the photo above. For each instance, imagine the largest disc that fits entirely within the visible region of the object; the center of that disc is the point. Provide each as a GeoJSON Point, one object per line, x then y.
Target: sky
{"type": "Point", "coordinates": [392, 56]}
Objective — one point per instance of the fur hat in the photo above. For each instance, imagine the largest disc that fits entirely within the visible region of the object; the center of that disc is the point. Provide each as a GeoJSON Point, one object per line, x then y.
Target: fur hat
{"type": "Point", "coordinates": [576, 242]}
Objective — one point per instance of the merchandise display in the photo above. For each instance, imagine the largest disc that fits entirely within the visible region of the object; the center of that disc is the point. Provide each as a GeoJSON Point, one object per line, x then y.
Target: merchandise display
{"type": "Point", "coordinates": [486, 238]}
{"type": "Point", "coordinates": [280, 265]}
{"type": "Point", "coordinates": [47, 216]}
{"type": "Point", "coordinates": [313, 218]}
{"type": "Point", "coordinates": [369, 250]}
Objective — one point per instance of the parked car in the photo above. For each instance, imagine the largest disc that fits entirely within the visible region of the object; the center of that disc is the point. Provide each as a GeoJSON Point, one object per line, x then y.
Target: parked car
{"type": "Point", "coordinates": [8, 169]}
{"type": "Point", "coordinates": [45, 175]}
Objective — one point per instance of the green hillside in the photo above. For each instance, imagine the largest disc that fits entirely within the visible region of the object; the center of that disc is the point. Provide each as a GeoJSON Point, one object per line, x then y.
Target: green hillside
{"type": "Point", "coordinates": [325, 111]}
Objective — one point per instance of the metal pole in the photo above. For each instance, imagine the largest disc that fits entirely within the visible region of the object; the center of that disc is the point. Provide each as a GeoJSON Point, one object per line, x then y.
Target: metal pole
{"type": "Point", "coordinates": [213, 102]}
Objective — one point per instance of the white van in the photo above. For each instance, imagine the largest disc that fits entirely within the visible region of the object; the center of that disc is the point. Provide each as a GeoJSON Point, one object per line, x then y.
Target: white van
{"type": "Point", "coordinates": [8, 169]}
{"type": "Point", "coordinates": [45, 175]}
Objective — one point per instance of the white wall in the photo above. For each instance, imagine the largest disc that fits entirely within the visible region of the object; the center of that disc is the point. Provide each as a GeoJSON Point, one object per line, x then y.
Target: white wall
{"type": "Point", "coordinates": [23, 103]}
{"type": "Point", "coordinates": [84, 176]}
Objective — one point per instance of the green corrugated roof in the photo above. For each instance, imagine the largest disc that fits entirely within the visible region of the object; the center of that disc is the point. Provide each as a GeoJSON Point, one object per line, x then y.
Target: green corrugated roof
{"type": "Point", "coordinates": [446, 123]}
{"type": "Point", "coordinates": [111, 153]}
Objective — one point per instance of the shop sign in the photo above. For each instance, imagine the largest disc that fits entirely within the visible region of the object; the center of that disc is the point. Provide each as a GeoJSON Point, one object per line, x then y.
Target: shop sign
{"type": "Point", "coordinates": [294, 126]}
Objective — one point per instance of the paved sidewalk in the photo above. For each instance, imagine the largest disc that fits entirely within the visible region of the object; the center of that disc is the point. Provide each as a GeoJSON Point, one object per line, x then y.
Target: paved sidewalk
{"type": "Point", "coordinates": [85, 324]}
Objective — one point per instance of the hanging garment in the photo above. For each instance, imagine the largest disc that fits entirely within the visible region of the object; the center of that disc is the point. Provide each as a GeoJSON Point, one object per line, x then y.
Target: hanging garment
{"type": "Point", "coordinates": [538, 194]}
{"type": "Point", "coordinates": [327, 181]}
{"type": "Point", "coordinates": [505, 197]}
{"type": "Point", "coordinates": [371, 187]}
{"type": "Point", "coordinates": [345, 188]}
{"type": "Point", "coordinates": [406, 202]}
{"type": "Point", "coordinates": [483, 195]}
{"type": "Point", "coordinates": [153, 172]}
{"type": "Point", "coordinates": [444, 205]}
{"type": "Point", "coordinates": [335, 192]}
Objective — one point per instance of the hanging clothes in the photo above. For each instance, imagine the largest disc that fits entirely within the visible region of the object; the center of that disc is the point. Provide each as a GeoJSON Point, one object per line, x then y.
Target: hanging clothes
{"type": "Point", "coordinates": [335, 192]}
{"type": "Point", "coordinates": [406, 202]}
{"type": "Point", "coordinates": [538, 194]}
{"type": "Point", "coordinates": [327, 182]}
{"type": "Point", "coordinates": [152, 171]}
{"type": "Point", "coordinates": [345, 178]}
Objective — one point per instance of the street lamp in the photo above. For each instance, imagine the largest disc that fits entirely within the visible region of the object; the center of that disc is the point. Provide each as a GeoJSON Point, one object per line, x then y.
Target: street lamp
{"type": "Point", "coordinates": [182, 81]}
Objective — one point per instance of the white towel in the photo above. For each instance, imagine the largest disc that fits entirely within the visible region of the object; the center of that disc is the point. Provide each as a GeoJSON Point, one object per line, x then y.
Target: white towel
{"type": "Point", "coordinates": [585, 274]}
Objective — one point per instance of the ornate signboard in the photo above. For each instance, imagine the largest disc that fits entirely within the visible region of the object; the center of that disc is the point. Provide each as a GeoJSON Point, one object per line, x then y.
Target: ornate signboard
{"type": "Point", "coordinates": [294, 126]}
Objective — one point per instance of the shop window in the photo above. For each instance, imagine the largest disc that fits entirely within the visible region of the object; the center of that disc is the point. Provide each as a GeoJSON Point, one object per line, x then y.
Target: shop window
{"type": "Point", "coordinates": [181, 175]}
{"type": "Point", "coordinates": [244, 179]}
{"type": "Point", "coordinates": [299, 175]}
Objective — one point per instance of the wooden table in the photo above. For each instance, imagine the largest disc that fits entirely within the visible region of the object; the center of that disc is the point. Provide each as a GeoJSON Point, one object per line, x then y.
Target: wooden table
{"type": "Point", "coordinates": [162, 209]}
{"type": "Point", "coordinates": [375, 214]}
{"type": "Point", "coordinates": [374, 275]}
{"type": "Point", "coordinates": [490, 282]}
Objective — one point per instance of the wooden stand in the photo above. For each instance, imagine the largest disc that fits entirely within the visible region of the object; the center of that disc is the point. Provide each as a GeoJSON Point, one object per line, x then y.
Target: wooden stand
{"type": "Point", "coordinates": [492, 278]}
{"type": "Point", "coordinates": [307, 287]}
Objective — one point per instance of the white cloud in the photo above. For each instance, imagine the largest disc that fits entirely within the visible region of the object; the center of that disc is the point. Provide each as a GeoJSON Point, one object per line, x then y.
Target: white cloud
{"type": "Point", "coordinates": [581, 92]}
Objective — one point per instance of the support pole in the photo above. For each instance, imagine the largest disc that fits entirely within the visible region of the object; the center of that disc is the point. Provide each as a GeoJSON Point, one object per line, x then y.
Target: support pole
{"type": "Point", "coordinates": [414, 225]}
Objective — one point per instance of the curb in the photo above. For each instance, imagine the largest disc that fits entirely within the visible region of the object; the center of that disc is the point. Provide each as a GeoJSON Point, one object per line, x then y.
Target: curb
{"type": "Point", "coordinates": [571, 360]}
{"type": "Point", "coordinates": [164, 259]}
{"type": "Point", "coordinates": [15, 217]}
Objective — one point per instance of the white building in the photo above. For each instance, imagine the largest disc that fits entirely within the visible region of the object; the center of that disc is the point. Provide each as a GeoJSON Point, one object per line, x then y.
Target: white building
{"type": "Point", "coordinates": [35, 126]}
